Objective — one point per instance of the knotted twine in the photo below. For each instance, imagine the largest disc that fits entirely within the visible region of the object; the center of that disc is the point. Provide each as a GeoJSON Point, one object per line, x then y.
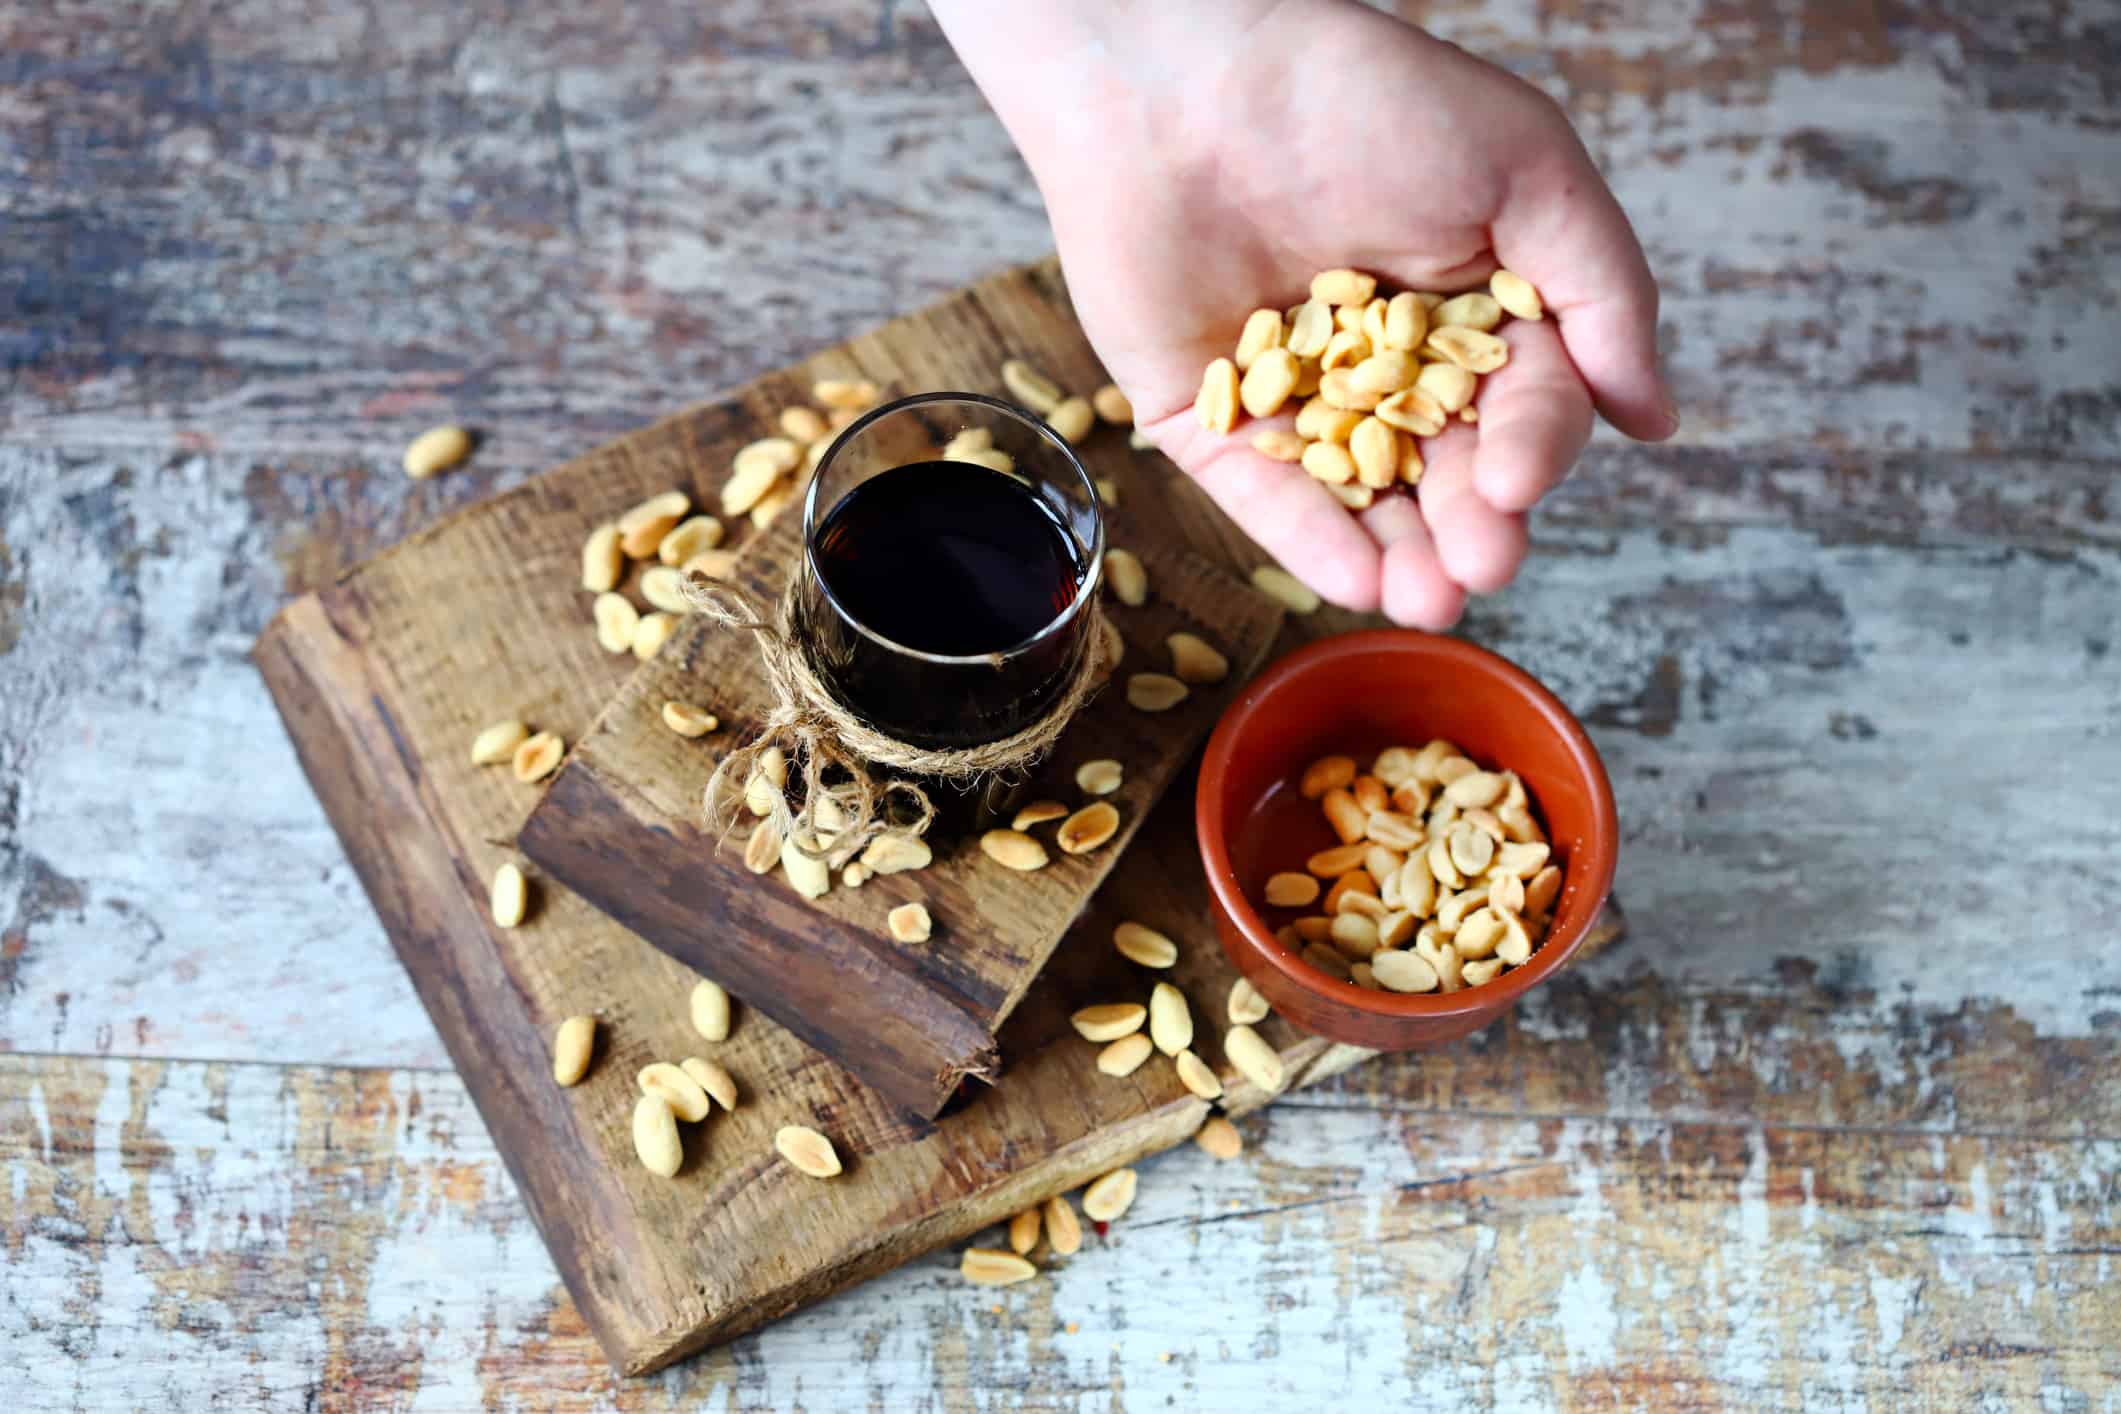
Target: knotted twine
{"type": "Point", "coordinates": [838, 820]}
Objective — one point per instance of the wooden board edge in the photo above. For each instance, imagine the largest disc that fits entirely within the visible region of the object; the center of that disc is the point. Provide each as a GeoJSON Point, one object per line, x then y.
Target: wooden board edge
{"type": "Point", "coordinates": [367, 783]}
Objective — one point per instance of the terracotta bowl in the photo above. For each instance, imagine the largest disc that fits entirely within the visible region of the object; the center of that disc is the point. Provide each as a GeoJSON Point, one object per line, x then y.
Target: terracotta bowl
{"type": "Point", "coordinates": [1354, 695]}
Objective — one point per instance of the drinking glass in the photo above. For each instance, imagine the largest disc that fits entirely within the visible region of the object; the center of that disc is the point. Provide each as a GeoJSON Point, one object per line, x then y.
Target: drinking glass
{"type": "Point", "coordinates": [908, 587]}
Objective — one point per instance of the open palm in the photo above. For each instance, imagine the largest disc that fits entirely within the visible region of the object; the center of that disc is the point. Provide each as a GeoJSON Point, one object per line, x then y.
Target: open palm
{"type": "Point", "coordinates": [1208, 180]}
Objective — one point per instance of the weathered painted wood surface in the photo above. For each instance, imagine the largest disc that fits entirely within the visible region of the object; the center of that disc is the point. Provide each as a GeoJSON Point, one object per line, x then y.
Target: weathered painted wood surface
{"type": "Point", "coordinates": [1834, 1128]}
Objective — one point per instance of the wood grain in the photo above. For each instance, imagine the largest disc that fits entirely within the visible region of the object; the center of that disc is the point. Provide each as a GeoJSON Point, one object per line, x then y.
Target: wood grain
{"type": "Point", "coordinates": [1860, 617]}
{"type": "Point", "coordinates": [621, 826]}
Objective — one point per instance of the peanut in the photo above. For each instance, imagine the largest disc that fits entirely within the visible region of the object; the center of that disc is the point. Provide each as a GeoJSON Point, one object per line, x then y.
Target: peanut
{"type": "Point", "coordinates": [1412, 410]}
{"type": "Point", "coordinates": [1369, 792]}
{"type": "Point", "coordinates": [807, 874]}
{"type": "Point", "coordinates": [1540, 893]}
{"type": "Point", "coordinates": [1310, 329]}
{"type": "Point", "coordinates": [1474, 788]}
{"type": "Point", "coordinates": [1099, 777]}
{"type": "Point", "coordinates": [1406, 322]}
{"type": "Point", "coordinates": [1344, 350]}
{"type": "Point", "coordinates": [1023, 1231]}
{"type": "Point", "coordinates": [572, 1045]}
{"type": "Point", "coordinates": [1471, 849]}
{"type": "Point", "coordinates": [1355, 498]}
{"type": "Point", "coordinates": [1196, 1075]}
{"type": "Point", "coordinates": [1112, 405]}
{"type": "Point", "coordinates": [687, 720]}
{"type": "Point", "coordinates": [1403, 972]}
{"type": "Point", "coordinates": [1125, 1056]}
{"type": "Point", "coordinates": [1038, 812]}
{"type": "Point", "coordinates": [1382, 374]}
{"type": "Point", "coordinates": [1254, 1058]}
{"type": "Point", "coordinates": [1268, 383]}
{"type": "Point", "coordinates": [1374, 446]}
{"type": "Point", "coordinates": [1219, 1138]}
{"type": "Point", "coordinates": [1474, 310]}
{"type": "Point", "coordinates": [896, 853]}
{"type": "Point", "coordinates": [1354, 934]}
{"type": "Point", "coordinates": [1339, 860]}
{"type": "Point", "coordinates": [1292, 891]}
{"type": "Point", "coordinates": [1278, 444]}
{"type": "Point", "coordinates": [655, 1137]}
{"type": "Point", "coordinates": [1072, 418]}
{"type": "Point", "coordinates": [769, 777]}
{"type": "Point", "coordinates": [1343, 287]}
{"type": "Point", "coordinates": [1141, 944]}
{"type": "Point", "coordinates": [1246, 1005]}
{"type": "Point", "coordinates": [664, 588]}
{"type": "Point", "coordinates": [1328, 960]}
{"type": "Point", "coordinates": [1320, 421]}
{"type": "Point", "coordinates": [1347, 818]}
{"type": "Point", "coordinates": [497, 743]}
{"type": "Point", "coordinates": [1340, 390]}
{"type": "Point", "coordinates": [1470, 349]}
{"type": "Point", "coordinates": [1330, 462]}
{"type": "Point", "coordinates": [846, 394]}
{"type": "Point", "coordinates": [1110, 1196]}
{"type": "Point", "coordinates": [854, 876]}
{"type": "Point", "coordinates": [615, 620]}
{"type": "Point", "coordinates": [1217, 402]}
{"type": "Point", "coordinates": [990, 1266]}
{"type": "Point", "coordinates": [538, 757]}
{"type": "Point", "coordinates": [762, 849]}
{"type": "Point", "coordinates": [810, 1152]}
{"type": "Point", "coordinates": [1063, 1233]}
{"type": "Point", "coordinates": [968, 439]}
{"type": "Point", "coordinates": [688, 538]}
{"type": "Point", "coordinates": [1313, 928]}
{"type": "Point", "coordinates": [1363, 904]}
{"type": "Point", "coordinates": [685, 1096]}
{"type": "Point", "coordinates": [1506, 893]}
{"type": "Point", "coordinates": [1262, 331]}
{"type": "Point", "coordinates": [710, 1010]}
{"type": "Point", "coordinates": [510, 896]}
{"type": "Point", "coordinates": [1360, 974]}
{"type": "Point", "coordinates": [1108, 1021]}
{"type": "Point", "coordinates": [1523, 860]}
{"type": "Point", "coordinates": [1129, 582]}
{"type": "Point", "coordinates": [1373, 321]}
{"type": "Point", "coordinates": [801, 424]}
{"type": "Point", "coordinates": [770, 505]}
{"type": "Point", "coordinates": [910, 923]}
{"type": "Point", "coordinates": [1447, 385]}
{"type": "Point", "coordinates": [719, 1084]}
{"type": "Point", "coordinates": [1155, 692]}
{"type": "Point", "coordinates": [436, 449]}
{"type": "Point", "coordinates": [1087, 828]}
{"type": "Point", "coordinates": [1296, 596]}
{"type": "Point", "coordinates": [1030, 387]}
{"type": "Point", "coordinates": [1324, 774]}
{"type": "Point", "coordinates": [714, 564]}
{"type": "Point", "coordinates": [1475, 974]}
{"type": "Point", "coordinates": [602, 560]}
{"type": "Point", "coordinates": [1170, 1020]}
{"type": "Point", "coordinates": [651, 633]}
{"type": "Point", "coordinates": [747, 485]}
{"type": "Point", "coordinates": [1515, 294]}
{"type": "Point", "coordinates": [1108, 490]}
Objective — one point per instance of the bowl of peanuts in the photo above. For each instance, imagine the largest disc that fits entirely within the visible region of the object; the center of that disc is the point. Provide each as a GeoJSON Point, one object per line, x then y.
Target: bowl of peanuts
{"type": "Point", "coordinates": [1403, 834]}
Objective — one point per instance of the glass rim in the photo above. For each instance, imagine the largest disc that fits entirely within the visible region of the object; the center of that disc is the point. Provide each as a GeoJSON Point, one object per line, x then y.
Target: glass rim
{"type": "Point", "coordinates": [1085, 591]}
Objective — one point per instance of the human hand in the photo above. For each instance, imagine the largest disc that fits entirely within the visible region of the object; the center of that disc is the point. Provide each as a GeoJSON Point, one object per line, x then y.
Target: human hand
{"type": "Point", "coordinates": [1199, 161]}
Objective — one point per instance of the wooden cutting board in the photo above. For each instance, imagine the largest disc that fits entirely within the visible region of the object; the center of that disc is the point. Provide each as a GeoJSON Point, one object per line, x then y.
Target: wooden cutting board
{"type": "Point", "coordinates": [384, 678]}
{"type": "Point", "coordinates": [621, 826]}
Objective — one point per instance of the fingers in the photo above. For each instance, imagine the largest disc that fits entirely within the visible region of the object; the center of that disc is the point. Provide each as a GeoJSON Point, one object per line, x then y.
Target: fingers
{"type": "Point", "coordinates": [1478, 546]}
{"type": "Point", "coordinates": [1561, 228]}
{"type": "Point", "coordinates": [1416, 591]}
{"type": "Point", "coordinates": [1535, 417]}
{"type": "Point", "coordinates": [1308, 532]}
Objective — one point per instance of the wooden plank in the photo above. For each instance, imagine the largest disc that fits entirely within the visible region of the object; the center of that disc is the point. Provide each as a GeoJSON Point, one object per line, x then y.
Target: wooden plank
{"type": "Point", "coordinates": [188, 1234]}
{"type": "Point", "coordinates": [621, 826]}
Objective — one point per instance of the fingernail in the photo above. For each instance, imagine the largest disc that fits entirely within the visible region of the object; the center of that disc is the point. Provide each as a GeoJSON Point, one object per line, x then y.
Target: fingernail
{"type": "Point", "coordinates": [1671, 417]}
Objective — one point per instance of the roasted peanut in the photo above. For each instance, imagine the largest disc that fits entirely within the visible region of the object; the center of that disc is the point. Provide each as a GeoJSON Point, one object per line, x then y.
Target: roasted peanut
{"type": "Point", "coordinates": [510, 896]}
{"type": "Point", "coordinates": [685, 1096]}
{"type": "Point", "coordinates": [1072, 418]}
{"type": "Point", "coordinates": [1108, 1021]}
{"type": "Point", "coordinates": [1112, 405]}
{"type": "Point", "coordinates": [1278, 444]}
{"type": "Point", "coordinates": [655, 1137]}
{"type": "Point", "coordinates": [1125, 1056]}
{"type": "Point", "coordinates": [1291, 891]}
{"type": "Point", "coordinates": [1344, 287]}
{"type": "Point", "coordinates": [846, 394]}
{"type": "Point", "coordinates": [436, 449]}
{"type": "Point", "coordinates": [1155, 692]}
{"type": "Point", "coordinates": [1127, 579]}
{"type": "Point", "coordinates": [1399, 971]}
{"type": "Point", "coordinates": [1470, 349]}
{"type": "Point", "coordinates": [1219, 1138]}
{"type": "Point", "coordinates": [1109, 1197]}
{"type": "Point", "coordinates": [990, 1266]}
{"type": "Point", "coordinates": [1013, 849]}
{"type": "Point", "coordinates": [1473, 310]}
{"type": "Point", "coordinates": [909, 923]}
{"type": "Point", "coordinates": [572, 1046]}
{"type": "Point", "coordinates": [1257, 1061]}
{"type": "Point", "coordinates": [1246, 1005]}
{"type": "Point", "coordinates": [603, 562]}
{"type": "Point", "coordinates": [616, 619]}
{"type": "Point", "coordinates": [1296, 596]}
{"type": "Point", "coordinates": [1087, 828]}
{"type": "Point", "coordinates": [1170, 1019]}
{"type": "Point", "coordinates": [538, 757]}
{"type": "Point", "coordinates": [1217, 402]}
{"type": "Point", "coordinates": [1030, 387]}
{"type": "Point", "coordinates": [1515, 294]}
{"type": "Point", "coordinates": [497, 743]}
{"type": "Point", "coordinates": [808, 1151]}
{"type": "Point", "coordinates": [1142, 944]}
{"type": "Point", "coordinates": [1330, 462]}
{"type": "Point", "coordinates": [1268, 383]}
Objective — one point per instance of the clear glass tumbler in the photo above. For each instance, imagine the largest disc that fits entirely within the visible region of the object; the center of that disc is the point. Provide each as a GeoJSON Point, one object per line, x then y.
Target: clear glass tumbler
{"type": "Point", "coordinates": [943, 599]}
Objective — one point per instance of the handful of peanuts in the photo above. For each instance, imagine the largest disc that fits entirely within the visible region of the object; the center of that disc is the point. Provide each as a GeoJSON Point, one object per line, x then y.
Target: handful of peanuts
{"type": "Point", "coordinates": [1442, 878]}
{"type": "Point", "coordinates": [1375, 374]}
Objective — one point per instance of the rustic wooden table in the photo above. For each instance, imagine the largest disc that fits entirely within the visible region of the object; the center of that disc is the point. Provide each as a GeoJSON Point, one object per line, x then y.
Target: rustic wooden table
{"type": "Point", "coordinates": [1839, 1124]}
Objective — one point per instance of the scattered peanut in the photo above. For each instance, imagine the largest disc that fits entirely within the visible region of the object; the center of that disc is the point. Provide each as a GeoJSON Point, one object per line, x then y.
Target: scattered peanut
{"type": "Point", "coordinates": [1219, 1138]}
{"type": "Point", "coordinates": [436, 449]}
{"type": "Point", "coordinates": [808, 874]}
{"type": "Point", "coordinates": [602, 560]}
{"type": "Point", "coordinates": [762, 849]}
{"type": "Point", "coordinates": [846, 394]}
{"type": "Point", "coordinates": [1292, 891]}
{"type": "Point", "coordinates": [1144, 945]}
{"type": "Point", "coordinates": [651, 633]}
{"type": "Point", "coordinates": [498, 743]}
{"type": "Point", "coordinates": [1100, 777]}
{"type": "Point", "coordinates": [538, 757]}
{"type": "Point", "coordinates": [807, 1150]}
{"type": "Point", "coordinates": [990, 1266]}
{"type": "Point", "coordinates": [1155, 692]}
{"type": "Point", "coordinates": [616, 619]}
{"type": "Point", "coordinates": [1195, 660]}
{"type": "Point", "coordinates": [1072, 418]}
{"type": "Point", "coordinates": [719, 1084]}
{"type": "Point", "coordinates": [1198, 1076]}
{"type": "Point", "coordinates": [688, 720]}
{"type": "Point", "coordinates": [1107, 1198]}
{"type": "Point", "coordinates": [1063, 1233]}
{"type": "Point", "coordinates": [1293, 593]}
{"type": "Point", "coordinates": [1216, 404]}
{"type": "Point", "coordinates": [1124, 573]}
{"type": "Point", "coordinates": [1030, 387]}
{"type": "Point", "coordinates": [1170, 1019]}
{"type": "Point", "coordinates": [1125, 1056]}
{"type": "Point", "coordinates": [1108, 1021]}
{"type": "Point", "coordinates": [910, 923]}
{"type": "Point", "coordinates": [1257, 1061]}
{"type": "Point", "coordinates": [1013, 849]}
{"type": "Point", "coordinates": [685, 1096]}
{"type": "Point", "coordinates": [1279, 444]}
{"type": "Point", "coordinates": [655, 1137]}
{"type": "Point", "coordinates": [571, 1049]}
{"type": "Point", "coordinates": [1038, 812]}
{"type": "Point", "coordinates": [1112, 405]}
{"type": "Point", "coordinates": [1246, 1005]}
{"type": "Point", "coordinates": [1023, 1231]}
{"type": "Point", "coordinates": [510, 896]}
{"type": "Point", "coordinates": [710, 1009]}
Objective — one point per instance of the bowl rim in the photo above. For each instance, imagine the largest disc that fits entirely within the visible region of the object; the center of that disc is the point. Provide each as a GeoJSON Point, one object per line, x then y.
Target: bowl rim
{"type": "Point", "coordinates": [1319, 656]}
